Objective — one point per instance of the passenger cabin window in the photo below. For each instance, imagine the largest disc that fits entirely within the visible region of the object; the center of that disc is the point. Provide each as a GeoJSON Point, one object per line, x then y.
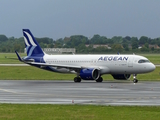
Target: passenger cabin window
{"type": "Point", "coordinates": [143, 61]}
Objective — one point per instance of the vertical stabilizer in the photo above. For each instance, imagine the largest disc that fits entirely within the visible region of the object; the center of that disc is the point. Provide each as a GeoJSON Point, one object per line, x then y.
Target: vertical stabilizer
{"type": "Point", "coordinates": [32, 47]}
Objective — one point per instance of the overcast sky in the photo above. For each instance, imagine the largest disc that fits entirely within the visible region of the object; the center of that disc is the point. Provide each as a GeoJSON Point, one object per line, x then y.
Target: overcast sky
{"type": "Point", "coordinates": [63, 18]}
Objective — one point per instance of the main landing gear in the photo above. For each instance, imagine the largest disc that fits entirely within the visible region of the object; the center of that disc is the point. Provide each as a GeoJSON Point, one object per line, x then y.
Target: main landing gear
{"type": "Point", "coordinates": [134, 78]}
{"type": "Point", "coordinates": [100, 79]}
{"type": "Point", "coordinates": [77, 79]}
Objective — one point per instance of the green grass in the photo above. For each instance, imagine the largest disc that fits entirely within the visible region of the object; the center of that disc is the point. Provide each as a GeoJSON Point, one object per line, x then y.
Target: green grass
{"type": "Point", "coordinates": [33, 73]}
{"type": "Point", "coordinates": [30, 73]}
{"type": "Point", "coordinates": [9, 58]}
{"type": "Point", "coordinates": [77, 112]}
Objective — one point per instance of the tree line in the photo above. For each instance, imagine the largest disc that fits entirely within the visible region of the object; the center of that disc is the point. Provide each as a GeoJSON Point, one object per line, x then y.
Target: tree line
{"type": "Point", "coordinates": [83, 44]}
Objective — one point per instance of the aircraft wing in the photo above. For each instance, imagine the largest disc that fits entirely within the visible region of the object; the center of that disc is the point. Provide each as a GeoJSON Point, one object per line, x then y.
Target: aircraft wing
{"type": "Point", "coordinates": [58, 65]}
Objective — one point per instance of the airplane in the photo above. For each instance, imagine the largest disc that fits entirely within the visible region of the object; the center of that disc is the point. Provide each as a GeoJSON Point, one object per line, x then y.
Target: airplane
{"type": "Point", "coordinates": [86, 67]}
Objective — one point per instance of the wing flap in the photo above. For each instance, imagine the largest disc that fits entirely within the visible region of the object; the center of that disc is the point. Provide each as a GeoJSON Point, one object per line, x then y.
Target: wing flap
{"type": "Point", "coordinates": [56, 65]}
{"type": "Point", "coordinates": [74, 67]}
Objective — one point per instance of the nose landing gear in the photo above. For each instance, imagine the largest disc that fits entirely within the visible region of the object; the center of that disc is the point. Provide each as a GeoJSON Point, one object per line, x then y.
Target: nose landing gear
{"type": "Point", "coordinates": [134, 78]}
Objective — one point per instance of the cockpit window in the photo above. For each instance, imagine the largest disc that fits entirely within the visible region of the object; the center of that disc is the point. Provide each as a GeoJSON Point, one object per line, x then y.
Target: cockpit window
{"type": "Point", "coordinates": [143, 61]}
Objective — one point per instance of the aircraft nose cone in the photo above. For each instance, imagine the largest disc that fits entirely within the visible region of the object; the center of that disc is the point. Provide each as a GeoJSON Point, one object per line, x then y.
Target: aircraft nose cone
{"type": "Point", "coordinates": [152, 67]}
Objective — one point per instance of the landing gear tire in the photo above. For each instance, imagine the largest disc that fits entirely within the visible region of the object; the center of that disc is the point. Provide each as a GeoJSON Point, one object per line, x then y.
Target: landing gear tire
{"type": "Point", "coordinates": [77, 79]}
{"type": "Point", "coordinates": [100, 79]}
{"type": "Point", "coordinates": [135, 80]}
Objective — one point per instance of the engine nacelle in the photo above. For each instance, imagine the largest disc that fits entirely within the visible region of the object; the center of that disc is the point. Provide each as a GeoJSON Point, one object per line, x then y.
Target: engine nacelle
{"type": "Point", "coordinates": [121, 76]}
{"type": "Point", "coordinates": [89, 74]}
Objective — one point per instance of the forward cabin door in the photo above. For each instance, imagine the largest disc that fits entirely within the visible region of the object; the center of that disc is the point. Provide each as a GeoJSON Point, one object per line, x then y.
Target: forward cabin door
{"type": "Point", "coordinates": [130, 61]}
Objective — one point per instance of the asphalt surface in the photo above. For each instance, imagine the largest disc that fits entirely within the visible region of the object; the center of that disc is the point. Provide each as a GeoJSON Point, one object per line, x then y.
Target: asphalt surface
{"type": "Point", "coordinates": [90, 92]}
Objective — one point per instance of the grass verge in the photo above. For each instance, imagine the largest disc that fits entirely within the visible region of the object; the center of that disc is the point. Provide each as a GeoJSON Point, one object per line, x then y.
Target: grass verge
{"type": "Point", "coordinates": [9, 58]}
{"type": "Point", "coordinates": [77, 112]}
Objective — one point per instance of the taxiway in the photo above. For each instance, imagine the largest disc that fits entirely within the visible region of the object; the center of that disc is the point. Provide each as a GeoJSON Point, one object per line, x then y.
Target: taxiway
{"type": "Point", "coordinates": [68, 92]}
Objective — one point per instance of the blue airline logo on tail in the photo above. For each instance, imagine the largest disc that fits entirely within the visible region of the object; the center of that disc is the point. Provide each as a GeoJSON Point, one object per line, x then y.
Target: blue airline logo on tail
{"type": "Point", "coordinates": [32, 47]}
{"type": "Point", "coordinates": [30, 40]}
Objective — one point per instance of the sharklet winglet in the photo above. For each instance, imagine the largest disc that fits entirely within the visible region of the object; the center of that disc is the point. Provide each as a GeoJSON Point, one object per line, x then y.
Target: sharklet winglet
{"type": "Point", "coordinates": [20, 59]}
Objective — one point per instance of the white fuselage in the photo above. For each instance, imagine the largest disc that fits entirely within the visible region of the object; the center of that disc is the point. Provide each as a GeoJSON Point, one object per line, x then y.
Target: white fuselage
{"type": "Point", "coordinates": [107, 64]}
